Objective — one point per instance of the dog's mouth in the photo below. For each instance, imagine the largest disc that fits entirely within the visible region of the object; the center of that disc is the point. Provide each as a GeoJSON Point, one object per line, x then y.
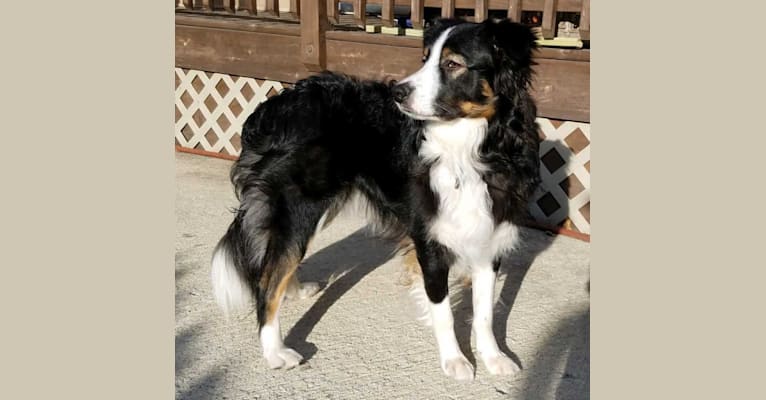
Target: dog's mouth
{"type": "Point", "coordinates": [415, 115]}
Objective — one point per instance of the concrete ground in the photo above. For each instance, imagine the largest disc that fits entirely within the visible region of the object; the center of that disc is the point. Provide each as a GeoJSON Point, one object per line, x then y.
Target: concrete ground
{"type": "Point", "coordinates": [359, 334]}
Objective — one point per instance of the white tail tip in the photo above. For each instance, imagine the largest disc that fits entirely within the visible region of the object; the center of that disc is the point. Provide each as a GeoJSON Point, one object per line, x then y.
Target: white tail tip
{"type": "Point", "coordinates": [230, 291]}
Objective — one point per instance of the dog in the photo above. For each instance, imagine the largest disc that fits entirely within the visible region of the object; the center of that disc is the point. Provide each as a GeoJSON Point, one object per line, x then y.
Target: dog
{"type": "Point", "coordinates": [446, 158]}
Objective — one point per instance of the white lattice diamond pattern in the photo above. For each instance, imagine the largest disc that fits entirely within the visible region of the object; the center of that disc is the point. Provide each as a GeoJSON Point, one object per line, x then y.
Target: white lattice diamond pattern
{"type": "Point", "coordinates": [574, 165]}
{"type": "Point", "coordinates": [221, 107]}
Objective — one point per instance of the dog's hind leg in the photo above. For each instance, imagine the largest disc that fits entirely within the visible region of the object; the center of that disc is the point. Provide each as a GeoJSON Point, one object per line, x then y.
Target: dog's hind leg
{"type": "Point", "coordinates": [277, 355]}
{"type": "Point", "coordinates": [294, 223]}
{"type": "Point", "coordinates": [258, 256]}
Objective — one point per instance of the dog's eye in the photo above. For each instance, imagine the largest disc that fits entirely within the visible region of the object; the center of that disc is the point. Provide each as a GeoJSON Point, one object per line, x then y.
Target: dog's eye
{"type": "Point", "coordinates": [452, 65]}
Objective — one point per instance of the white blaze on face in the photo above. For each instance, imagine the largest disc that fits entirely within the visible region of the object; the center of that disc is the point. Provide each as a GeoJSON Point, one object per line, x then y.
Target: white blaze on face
{"type": "Point", "coordinates": [425, 82]}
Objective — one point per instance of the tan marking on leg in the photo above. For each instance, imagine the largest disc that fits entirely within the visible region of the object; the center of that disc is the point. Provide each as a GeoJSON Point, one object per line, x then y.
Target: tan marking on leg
{"type": "Point", "coordinates": [412, 269]}
{"type": "Point", "coordinates": [275, 295]}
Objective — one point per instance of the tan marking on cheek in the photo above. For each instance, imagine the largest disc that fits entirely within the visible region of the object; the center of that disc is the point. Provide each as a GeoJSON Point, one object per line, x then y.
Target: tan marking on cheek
{"type": "Point", "coordinates": [486, 90]}
{"type": "Point", "coordinates": [478, 110]}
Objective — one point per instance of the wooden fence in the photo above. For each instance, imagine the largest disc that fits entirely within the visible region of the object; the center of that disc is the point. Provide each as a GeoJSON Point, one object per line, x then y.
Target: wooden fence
{"type": "Point", "coordinates": [232, 55]}
{"type": "Point", "coordinates": [308, 36]}
{"type": "Point", "coordinates": [479, 10]}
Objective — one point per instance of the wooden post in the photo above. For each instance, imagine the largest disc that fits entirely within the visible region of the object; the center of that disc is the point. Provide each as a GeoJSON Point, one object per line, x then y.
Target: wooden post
{"type": "Point", "coordinates": [295, 8]}
{"type": "Point", "coordinates": [313, 25]}
{"type": "Point", "coordinates": [272, 8]}
{"type": "Point", "coordinates": [203, 5]}
{"type": "Point", "coordinates": [514, 10]}
{"type": "Point", "coordinates": [481, 10]}
{"type": "Point", "coordinates": [387, 13]}
{"type": "Point", "coordinates": [549, 19]}
{"type": "Point", "coordinates": [248, 6]}
{"type": "Point", "coordinates": [417, 10]}
{"type": "Point", "coordinates": [585, 20]}
{"type": "Point", "coordinates": [230, 6]}
{"type": "Point", "coordinates": [332, 11]}
{"type": "Point", "coordinates": [360, 13]}
{"type": "Point", "coordinates": [448, 8]}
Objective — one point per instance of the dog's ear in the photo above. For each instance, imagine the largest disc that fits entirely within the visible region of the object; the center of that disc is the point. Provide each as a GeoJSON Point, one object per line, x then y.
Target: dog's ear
{"type": "Point", "coordinates": [436, 28]}
{"type": "Point", "coordinates": [513, 44]}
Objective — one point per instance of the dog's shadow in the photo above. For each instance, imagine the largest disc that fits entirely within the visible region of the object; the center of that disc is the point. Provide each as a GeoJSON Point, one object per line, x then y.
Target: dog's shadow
{"type": "Point", "coordinates": [350, 260]}
{"type": "Point", "coordinates": [354, 257]}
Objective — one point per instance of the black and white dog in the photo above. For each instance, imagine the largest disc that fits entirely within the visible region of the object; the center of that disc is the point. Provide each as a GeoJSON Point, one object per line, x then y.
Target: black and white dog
{"type": "Point", "coordinates": [447, 158]}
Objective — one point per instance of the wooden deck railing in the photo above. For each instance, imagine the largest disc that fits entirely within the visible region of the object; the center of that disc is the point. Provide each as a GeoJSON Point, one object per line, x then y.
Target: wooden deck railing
{"type": "Point", "coordinates": [290, 39]}
{"type": "Point", "coordinates": [481, 10]}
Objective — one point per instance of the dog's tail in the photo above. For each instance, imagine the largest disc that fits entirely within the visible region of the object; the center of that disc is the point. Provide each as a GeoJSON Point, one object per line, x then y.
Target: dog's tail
{"type": "Point", "coordinates": [230, 289]}
{"type": "Point", "coordinates": [239, 257]}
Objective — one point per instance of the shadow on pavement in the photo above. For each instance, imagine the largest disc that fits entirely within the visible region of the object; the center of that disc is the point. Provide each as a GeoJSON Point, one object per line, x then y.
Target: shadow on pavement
{"type": "Point", "coordinates": [350, 259]}
{"type": "Point", "coordinates": [562, 367]}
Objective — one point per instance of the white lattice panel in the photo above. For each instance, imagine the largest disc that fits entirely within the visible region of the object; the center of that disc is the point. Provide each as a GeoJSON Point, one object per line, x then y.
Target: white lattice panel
{"type": "Point", "coordinates": [570, 142]}
{"type": "Point", "coordinates": [212, 107]}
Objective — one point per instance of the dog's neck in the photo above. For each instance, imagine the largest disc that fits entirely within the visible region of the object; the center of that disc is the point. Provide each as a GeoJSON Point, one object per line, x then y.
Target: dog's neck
{"type": "Point", "coordinates": [458, 139]}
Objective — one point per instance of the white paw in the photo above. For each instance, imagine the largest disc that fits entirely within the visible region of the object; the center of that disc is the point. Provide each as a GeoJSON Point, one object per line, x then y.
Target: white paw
{"type": "Point", "coordinates": [458, 368]}
{"type": "Point", "coordinates": [284, 358]}
{"type": "Point", "coordinates": [500, 364]}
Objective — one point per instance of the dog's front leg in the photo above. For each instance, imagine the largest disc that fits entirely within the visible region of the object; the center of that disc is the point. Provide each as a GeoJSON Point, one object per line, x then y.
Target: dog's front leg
{"type": "Point", "coordinates": [483, 287]}
{"type": "Point", "coordinates": [435, 261]}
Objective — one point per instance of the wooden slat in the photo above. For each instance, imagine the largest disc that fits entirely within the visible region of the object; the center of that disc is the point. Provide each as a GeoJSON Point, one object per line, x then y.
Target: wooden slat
{"type": "Point", "coordinates": [247, 25]}
{"type": "Point", "coordinates": [380, 40]}
{"type": "Point", "coordinates": [561, 89]}
{"type": "Point", "coordinates": [416, 14]}
{"type": "Point", "coordinates": [248, 6]}
{"type": "Point", "coordinates": [514, 10]}
{"type": "Point", "coordinates": [531, 5]}
{"type": "Point", "coordinates": [202, 5]}
{"type": "Point", "coordinates": [387, 13]}
{"type": "Point", "coordinates": [332, 11]}
{"type": "Point", "coordinates": [372, 61]}
{"type": "Point", "coordinates": [272, 8]}
{"type": "Point", "coordinates": [549, 19]}
{"type": "Point", "coordinates": [295, 8]}
{"type": "Point", "coordinates": [313, 26]}
{"type": "Point", "coordinates": [585, 20]}
{"type": "Point", "coordinates": [243, 53]}
{"type": "Point", "coordinates": [448, 8]}
{"type": "Point", "coordinates": [481, 10]}
{"type": "Point", "coordinates": [230, 6]}
{"type": "Point", "coordinates": [360, 13]}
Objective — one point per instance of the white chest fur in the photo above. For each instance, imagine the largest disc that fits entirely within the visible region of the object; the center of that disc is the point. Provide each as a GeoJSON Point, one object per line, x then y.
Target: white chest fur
{"type": "Point", "coordinates": [464, 220]}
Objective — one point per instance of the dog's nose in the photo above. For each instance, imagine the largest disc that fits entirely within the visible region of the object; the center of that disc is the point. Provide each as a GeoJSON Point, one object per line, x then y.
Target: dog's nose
{"type": "Point", "coordinates": [401, 91]}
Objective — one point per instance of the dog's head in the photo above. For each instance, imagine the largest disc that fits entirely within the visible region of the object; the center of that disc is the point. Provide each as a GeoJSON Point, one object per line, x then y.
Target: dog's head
{"type": "Point", "coordinates": [466, 67]}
